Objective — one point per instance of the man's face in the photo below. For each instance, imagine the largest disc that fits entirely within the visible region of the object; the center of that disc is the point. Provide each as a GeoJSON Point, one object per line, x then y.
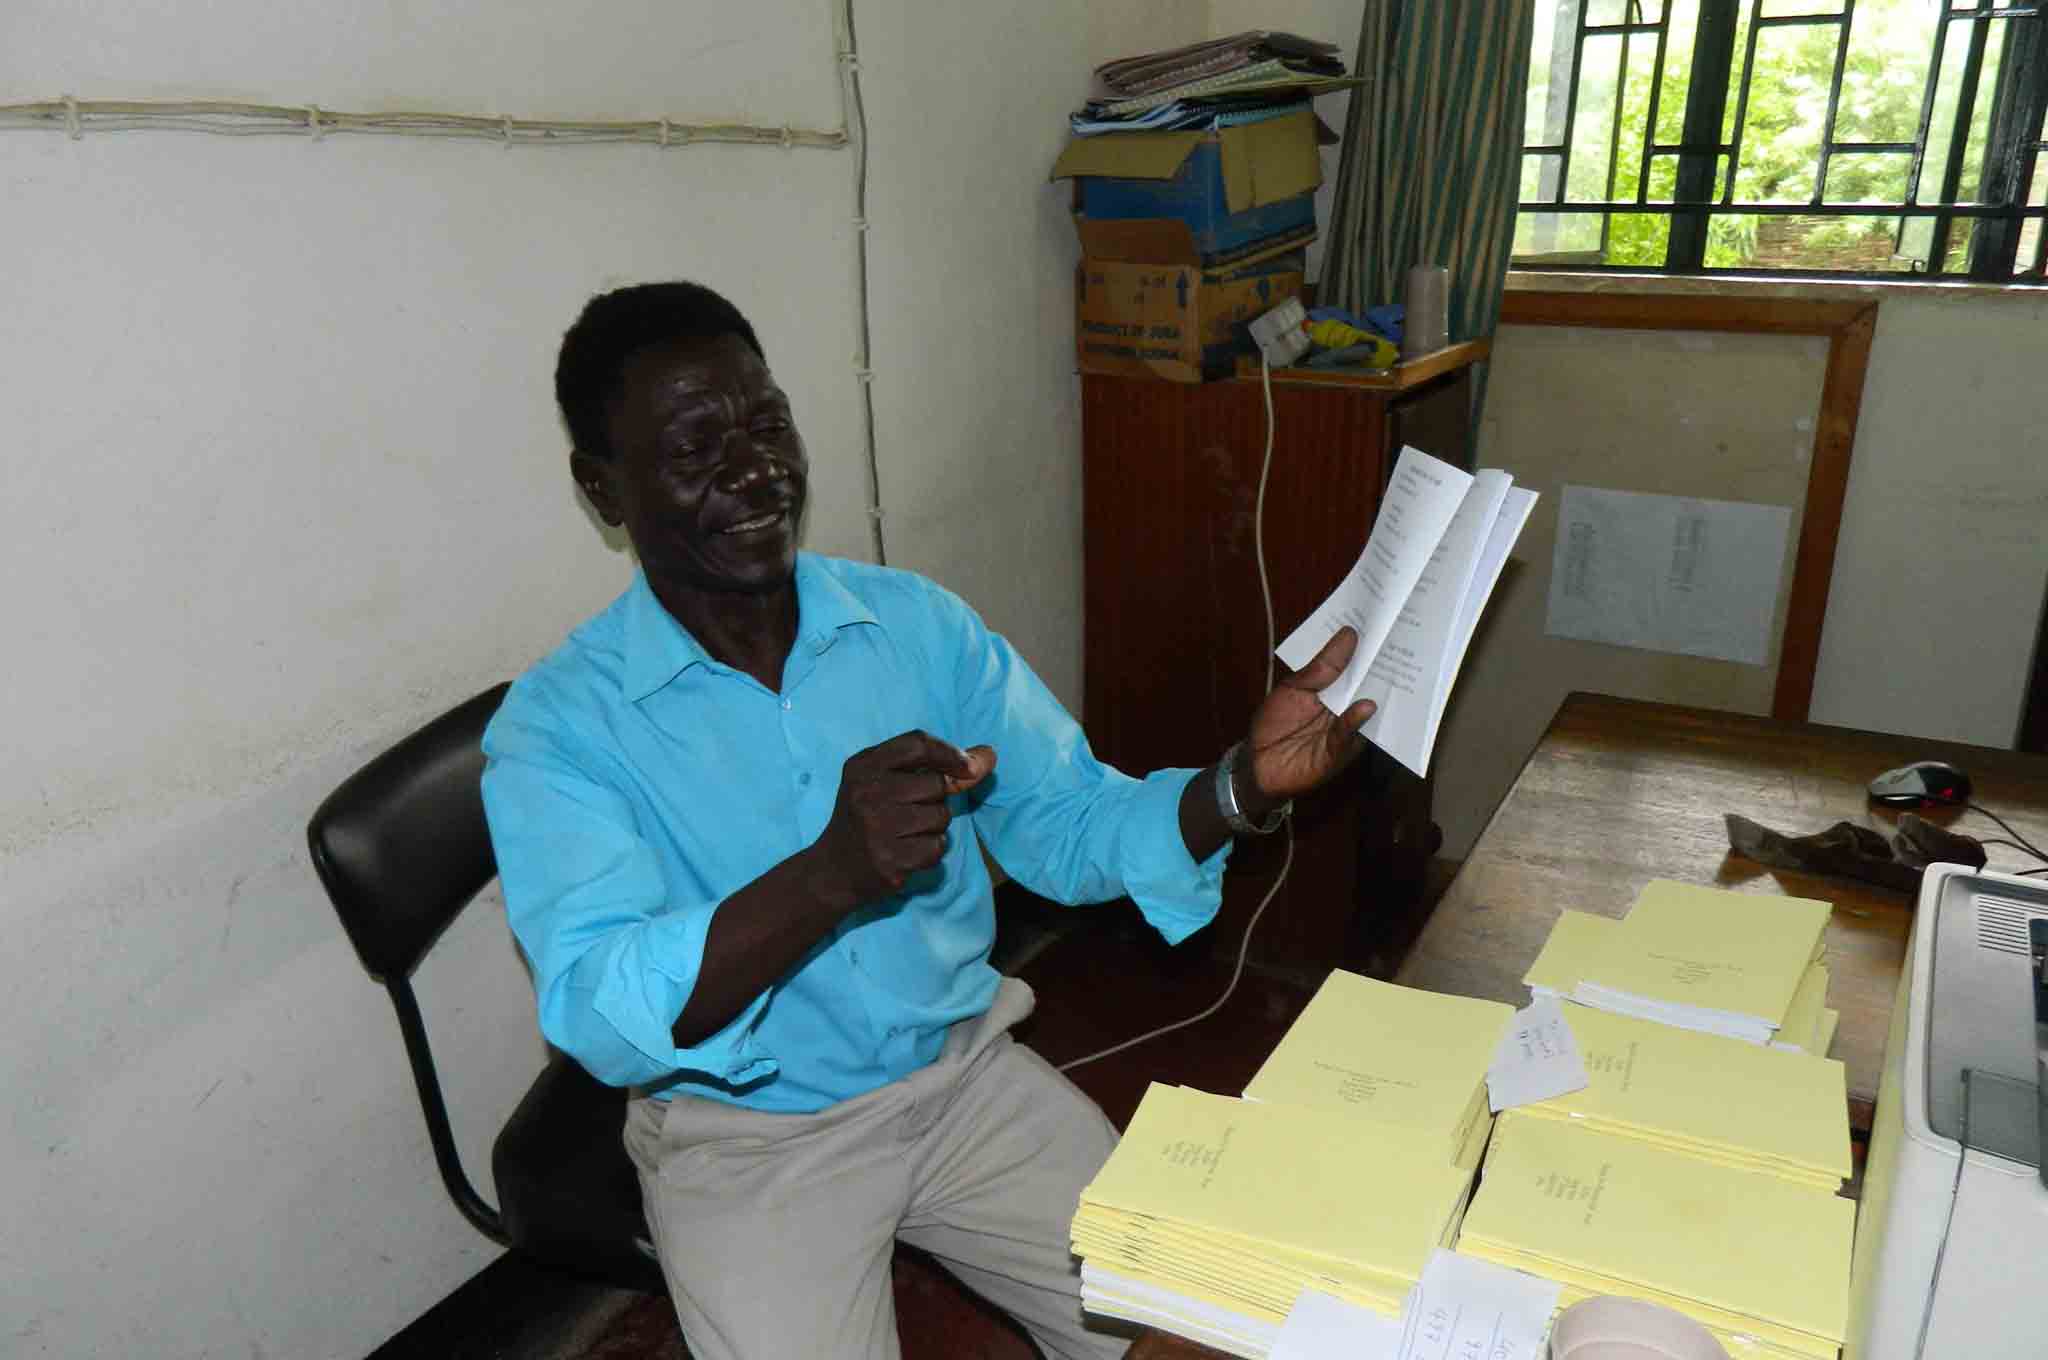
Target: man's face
{"type": "Point", "coordinates": [707, 473]}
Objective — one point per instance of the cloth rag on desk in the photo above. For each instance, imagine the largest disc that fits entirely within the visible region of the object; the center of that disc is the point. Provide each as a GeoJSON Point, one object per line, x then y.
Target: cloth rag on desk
{"type": "Point", "coordinates": [1846, 850]}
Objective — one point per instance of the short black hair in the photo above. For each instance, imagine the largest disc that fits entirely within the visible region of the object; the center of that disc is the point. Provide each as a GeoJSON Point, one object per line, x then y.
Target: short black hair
{"type": "Point", "coordinates": [617, 325]}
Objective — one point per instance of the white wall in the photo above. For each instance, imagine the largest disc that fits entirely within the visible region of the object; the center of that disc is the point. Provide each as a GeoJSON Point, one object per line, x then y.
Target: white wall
{"type": "Point", "coordinates": [284, 478]}
{"type": "Point", "coordinates": [1944, 551]}
{"type": "Point", "coordinates": [979, 422]}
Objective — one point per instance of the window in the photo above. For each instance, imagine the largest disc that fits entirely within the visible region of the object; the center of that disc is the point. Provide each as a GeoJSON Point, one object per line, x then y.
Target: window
{"type": "Point", "coordinates": [1859, 137]}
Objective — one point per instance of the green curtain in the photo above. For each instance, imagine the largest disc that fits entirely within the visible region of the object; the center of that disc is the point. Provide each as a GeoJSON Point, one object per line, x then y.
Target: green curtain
{"type": "Point", "coordinates": [1432, 157]}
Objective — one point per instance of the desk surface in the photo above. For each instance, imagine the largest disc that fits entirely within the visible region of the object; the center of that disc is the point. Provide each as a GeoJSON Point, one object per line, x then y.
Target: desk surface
{"type": "Point", "coordinates": [1619, 792]}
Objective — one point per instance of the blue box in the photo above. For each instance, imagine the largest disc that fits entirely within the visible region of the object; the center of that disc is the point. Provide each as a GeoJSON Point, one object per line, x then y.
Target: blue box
{"type": "Point", "coordinates": [1205, 198]}
{"type": "Point", "coordinates": [1195, 198]}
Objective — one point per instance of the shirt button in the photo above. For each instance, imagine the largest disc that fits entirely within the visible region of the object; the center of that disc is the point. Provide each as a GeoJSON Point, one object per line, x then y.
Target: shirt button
{"type": "Point", "coordinates": [804, 778]}
{"type": "Point", "coordinates": [786, 705]}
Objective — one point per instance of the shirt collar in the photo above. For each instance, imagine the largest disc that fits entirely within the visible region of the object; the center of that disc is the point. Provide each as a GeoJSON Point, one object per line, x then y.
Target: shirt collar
{"type": "Point", "coordinates": [658, 649]}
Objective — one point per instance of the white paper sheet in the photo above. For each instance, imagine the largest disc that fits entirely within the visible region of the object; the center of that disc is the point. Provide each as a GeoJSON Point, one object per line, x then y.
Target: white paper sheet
{"type": "Point", "coordinates": [1667, 573]}
{"type": "Point", "coordinates": [1324, 1327]}
{"type": "Point", "coordinates": [1421, 498]}
{"type": "Point", "coordinates": [1105, 1291]}
{"type": "Point", "coordinates": [1493, 558]}
{"type": "Point", "coordinates": [1402, 679]}
{"type": "Point", "coordinates": [1414, 598]}
{"type": "Point", "coordinates": [1469, 1307]}
{"type": "Point", "coordinates": [1538, 1058]}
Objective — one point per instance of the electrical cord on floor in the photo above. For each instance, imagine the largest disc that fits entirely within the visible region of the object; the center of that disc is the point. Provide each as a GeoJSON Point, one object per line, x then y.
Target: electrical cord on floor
{"type": "Point", "coordinates": [1244, 945]}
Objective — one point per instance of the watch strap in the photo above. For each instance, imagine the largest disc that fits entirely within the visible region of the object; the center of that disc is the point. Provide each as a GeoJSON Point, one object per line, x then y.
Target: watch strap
{"type": "Point", "coordinates": [1226, 798]}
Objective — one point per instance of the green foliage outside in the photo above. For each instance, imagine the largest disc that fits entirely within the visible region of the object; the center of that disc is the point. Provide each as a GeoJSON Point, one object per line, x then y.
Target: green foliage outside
{"type": "Point", "coordinates": [1883, 83]}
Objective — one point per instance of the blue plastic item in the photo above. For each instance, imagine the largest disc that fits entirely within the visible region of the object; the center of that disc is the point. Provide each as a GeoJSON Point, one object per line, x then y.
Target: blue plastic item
{"type": "Point", "coordinates": [1382, 320]}
{"type": "Point", "coordinates": [1387, 319]}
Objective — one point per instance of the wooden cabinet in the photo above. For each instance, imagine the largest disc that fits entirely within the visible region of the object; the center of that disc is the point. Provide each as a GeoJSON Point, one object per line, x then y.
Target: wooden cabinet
{"type": "Point", "coordinates": [1175, 632]}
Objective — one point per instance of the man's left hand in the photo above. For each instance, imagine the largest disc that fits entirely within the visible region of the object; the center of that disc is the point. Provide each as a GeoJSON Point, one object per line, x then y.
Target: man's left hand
{"type": "Point", "coordinates": [1296, 743]}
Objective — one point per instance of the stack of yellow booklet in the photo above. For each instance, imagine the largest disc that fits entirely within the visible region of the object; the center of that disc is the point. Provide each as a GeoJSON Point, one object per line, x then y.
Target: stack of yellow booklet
{"type": "Point", "coordinates": [1760, 1260]}
{"type": "Point", "coordinates": [1213, 1208]}
{"type": "Point", "coordinates": [1739, 1105]}
{"type": "Point", "coordinates": [1391, 1055]}
{"type": "Point", "coordinates": [1742, 965]}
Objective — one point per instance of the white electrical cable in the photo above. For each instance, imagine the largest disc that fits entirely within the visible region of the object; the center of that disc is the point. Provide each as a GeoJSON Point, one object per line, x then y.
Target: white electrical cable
{"type": "Point", "coordinates": [1244, 944]}
{"type": "Point", "coordinates": [76, 117]}
{"type": "Point", "coordinates": [855, 119]}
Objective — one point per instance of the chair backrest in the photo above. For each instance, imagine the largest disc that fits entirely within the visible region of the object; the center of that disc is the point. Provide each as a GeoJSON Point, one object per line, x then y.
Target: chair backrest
{"type": "Point", "coordinates": [402, 847]}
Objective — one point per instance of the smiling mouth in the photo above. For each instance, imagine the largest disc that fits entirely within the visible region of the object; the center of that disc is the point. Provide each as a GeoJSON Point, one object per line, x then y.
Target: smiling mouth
{"type": "Point", "coordinates": [757, 523]}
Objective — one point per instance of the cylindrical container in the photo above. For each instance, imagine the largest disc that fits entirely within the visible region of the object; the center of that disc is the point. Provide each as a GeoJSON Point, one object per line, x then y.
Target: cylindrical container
{"type": "Point", "coordinates": [1425, 322]}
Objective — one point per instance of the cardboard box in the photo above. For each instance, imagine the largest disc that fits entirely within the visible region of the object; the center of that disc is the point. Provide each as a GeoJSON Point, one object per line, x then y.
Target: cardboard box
{"type": "Point", "coordinates": [1212, 197]}
{"type": "Point", "coordinates": [1176, 321]}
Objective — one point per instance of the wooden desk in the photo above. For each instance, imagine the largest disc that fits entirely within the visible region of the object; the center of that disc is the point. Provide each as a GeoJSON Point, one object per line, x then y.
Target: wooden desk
{"type": "Point", "coordinates": [1619, 792]}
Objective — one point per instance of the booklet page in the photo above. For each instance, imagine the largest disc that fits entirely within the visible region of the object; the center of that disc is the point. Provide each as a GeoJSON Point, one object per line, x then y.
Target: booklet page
{"type": "Point", "coordinates": [1421, 498]}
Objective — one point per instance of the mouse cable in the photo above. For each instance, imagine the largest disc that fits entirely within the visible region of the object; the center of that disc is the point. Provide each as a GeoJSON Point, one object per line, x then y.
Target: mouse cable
{"type": "Point", "coordinates": [1244, 945]}
{"type": "Point", "coordinates": [2017, 839]}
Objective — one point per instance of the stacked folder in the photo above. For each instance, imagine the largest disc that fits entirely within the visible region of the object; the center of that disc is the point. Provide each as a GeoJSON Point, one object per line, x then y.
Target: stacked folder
{"type": "Point", "coordinates": [1761, 1261]}
{"type": "Point", "coordinates": [1391, 1055]}
{"type": "Point", "coordinates": [1734, 964]}
{"type": "Point", "coordinates": [1257, 64]}
{"type": "Point", "coordinates": [1213, 1209]}
{"type": "Point", "coordinates": [1755, 1109]}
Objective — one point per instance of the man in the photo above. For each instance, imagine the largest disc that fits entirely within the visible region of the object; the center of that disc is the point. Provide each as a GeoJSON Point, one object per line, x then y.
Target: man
{"type": "Point", "coordinates": [723, 812]}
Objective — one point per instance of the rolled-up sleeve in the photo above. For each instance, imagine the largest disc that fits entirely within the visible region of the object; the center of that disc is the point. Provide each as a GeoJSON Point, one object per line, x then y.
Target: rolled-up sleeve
{"type": "Point", "coordinates": [1057, 819]}
{"type": "Point", "coordinates": [614, 959]}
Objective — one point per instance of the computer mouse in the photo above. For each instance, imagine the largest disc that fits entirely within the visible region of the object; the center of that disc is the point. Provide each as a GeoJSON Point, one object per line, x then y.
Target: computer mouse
{"type": "Point", "coordinates": [1922, 784]}
{"type": "Point", "coordinates": [1613, 1328]}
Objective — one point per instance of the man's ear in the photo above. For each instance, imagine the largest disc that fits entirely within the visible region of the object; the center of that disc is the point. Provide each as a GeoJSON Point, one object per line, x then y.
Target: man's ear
{"type": "Point", "coordinates": [594, 475]}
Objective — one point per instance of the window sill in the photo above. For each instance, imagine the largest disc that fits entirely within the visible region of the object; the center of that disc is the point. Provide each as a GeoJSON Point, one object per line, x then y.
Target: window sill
{"type": "Point", "coordinates": [1756, 286]}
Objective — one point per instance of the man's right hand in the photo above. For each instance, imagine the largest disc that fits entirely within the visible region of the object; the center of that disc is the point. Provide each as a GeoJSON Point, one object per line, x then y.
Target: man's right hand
{"type": "Point", "coordinates": [891, 817]}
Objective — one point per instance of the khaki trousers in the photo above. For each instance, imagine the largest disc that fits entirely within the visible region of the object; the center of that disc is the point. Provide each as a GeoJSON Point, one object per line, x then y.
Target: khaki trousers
{"type": "Point", "coordinates": [776, 1230]}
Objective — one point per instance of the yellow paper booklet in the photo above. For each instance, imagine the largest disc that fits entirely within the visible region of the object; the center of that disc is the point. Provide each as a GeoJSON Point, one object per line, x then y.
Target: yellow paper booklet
{"type": "Point", "coordinates": [1738, 1249]}
{"type": "Point", "coordinates": [1711, 951]}
{"type": "Point", "coordinates": [1801, 1029]}
{"type": "Point", "coordinates": [1392, 1055]}
{"type": "Point", "coordinates": [1830, 1021]}
{"type": "Point", "coordinates": [1766, 1108]}
{"type": "Point", "coordinates": [1247, 1202]}
{"type": "Point", "coordinates": [1580, 943]}
{"type": "Point", "coordinates": [1574, 949]}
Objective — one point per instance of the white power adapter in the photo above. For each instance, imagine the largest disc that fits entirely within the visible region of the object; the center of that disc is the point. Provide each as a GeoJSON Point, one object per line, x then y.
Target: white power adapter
{"type": "Point", "coordinates": [1280, 335]}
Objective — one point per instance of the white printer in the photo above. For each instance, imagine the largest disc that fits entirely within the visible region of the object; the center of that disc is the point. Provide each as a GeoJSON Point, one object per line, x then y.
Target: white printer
{"type": "Point", "coordinates": [1952, 1244]}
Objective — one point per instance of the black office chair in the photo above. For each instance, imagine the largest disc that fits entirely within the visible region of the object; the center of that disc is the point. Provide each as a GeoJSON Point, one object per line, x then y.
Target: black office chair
{"type": "Point", "coordinates": [402, 848]}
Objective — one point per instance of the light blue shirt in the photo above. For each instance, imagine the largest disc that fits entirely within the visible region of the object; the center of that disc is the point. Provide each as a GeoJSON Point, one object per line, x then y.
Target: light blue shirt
{"type": "Point", "coordinates": [634, 783]}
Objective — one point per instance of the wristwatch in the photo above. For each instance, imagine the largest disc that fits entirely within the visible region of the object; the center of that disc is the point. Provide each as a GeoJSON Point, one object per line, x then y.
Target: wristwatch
{"type": "Point", "coordinates": [1226, 798]}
